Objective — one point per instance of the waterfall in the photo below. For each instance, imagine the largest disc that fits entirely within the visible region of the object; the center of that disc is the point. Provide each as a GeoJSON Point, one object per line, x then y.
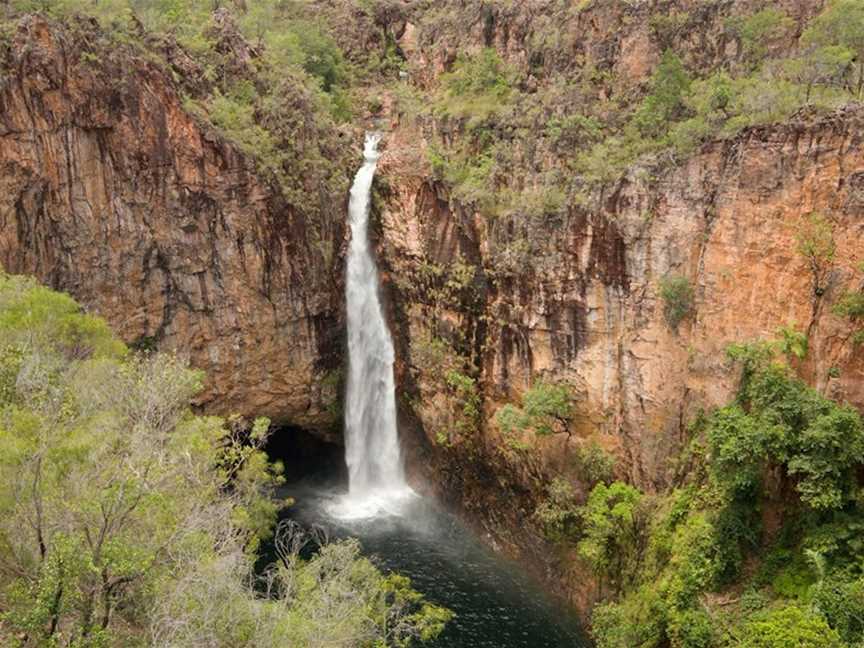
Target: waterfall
{"type": "Point", "coordinates": [375, 470]}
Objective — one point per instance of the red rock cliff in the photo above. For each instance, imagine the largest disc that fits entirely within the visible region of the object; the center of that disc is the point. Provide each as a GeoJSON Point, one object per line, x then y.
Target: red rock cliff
{"type": "Point", "coordinates": [111, 191]}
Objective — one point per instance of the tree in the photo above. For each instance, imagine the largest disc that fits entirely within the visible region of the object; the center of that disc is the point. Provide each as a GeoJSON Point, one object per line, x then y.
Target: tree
{"type": "Point", "coordinates": [670, 83]}
{"type": "Point", "coordinates": [778, 420]}
{"type": "Point", "coordinates": [827, 65]}
{"type": "Point", "coordinates": [125, 518]}
{"type": "Point", "coordinates": [842, 24]}
{"type": "Point", "coordinates": [558, 513]}
{"type": "Point", "coordinates": [815, 238]}
{"type": "Point", "coordinates": [789, 626]}
{"type": "Point", "coordinates": [614, 526]}
{"type": "Point", "coordinates": [547, 408]}
{"type": "Point", "coordinates": [758, 30]}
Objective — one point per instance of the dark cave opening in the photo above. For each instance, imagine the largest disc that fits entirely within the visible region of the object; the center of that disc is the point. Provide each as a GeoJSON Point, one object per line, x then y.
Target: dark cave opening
{"type": "Point", "coordinates": [306, 455]}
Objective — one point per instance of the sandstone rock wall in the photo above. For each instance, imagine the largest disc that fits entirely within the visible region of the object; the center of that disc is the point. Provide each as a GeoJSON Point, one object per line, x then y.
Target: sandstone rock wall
{"type": "Point", "coordinates": [111, 191]}
{"type": "Point", "coordinates": [727, 220]}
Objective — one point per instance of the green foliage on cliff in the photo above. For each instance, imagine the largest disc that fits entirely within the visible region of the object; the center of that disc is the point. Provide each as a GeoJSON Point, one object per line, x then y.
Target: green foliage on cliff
{"type": "Point", "coordinates": [647, 129]}
{"type": "Point", "coordinates": [685, 107]}
{"type": "Point", "coordinates": [558, 514]}
{"type": "Point", "coordinates": [778, 420]}
{"type": "Point", "coordinates": [840, 31]}
{"type": "Point", "coordinates": [701, 570]}
{"type": "Point", "coordinates": [665, 102]}
{"type": "Point", "coordinates": [478, 86]}
{"type": "Point", "coordinates": [815, 243]}
{"type": "Point", "coordinates": [850, 305]}
{"type": "Point", "coordinates": [547, 408]}
{"type": "Point", "coordinates": [126, 520]}
{"type": "Point", "coordinates": [613, 532]}
{"type": "Point", "coordinates": [266, 74]}
{"type": "Point", "coordinates": [791, 625]}
{"type": "Point", "coordinates": [759, 30]}
{"type": "Point", "coordinates": [467, 398]}
{"type": "Point", "coordinates": [678, 299]}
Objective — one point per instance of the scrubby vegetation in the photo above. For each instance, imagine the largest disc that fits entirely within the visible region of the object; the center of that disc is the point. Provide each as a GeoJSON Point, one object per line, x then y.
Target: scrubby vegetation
{"type": "Point", "coordinates": [701, 566]}
{"type": "Point", "coordinates": [125, 520]}
{"type": "Point", "coordinates": [521, 146]}
{"type": "Point", "coordinates": [267, 75]}
{"type": "Point", "coordinates": [677, 295]}
{"type": "Point", "coordinates": [547, 408]}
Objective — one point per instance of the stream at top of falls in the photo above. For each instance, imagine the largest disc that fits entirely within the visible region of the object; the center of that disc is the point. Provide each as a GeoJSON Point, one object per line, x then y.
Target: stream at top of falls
{"type": "Point", "coordinates": [495, 605]}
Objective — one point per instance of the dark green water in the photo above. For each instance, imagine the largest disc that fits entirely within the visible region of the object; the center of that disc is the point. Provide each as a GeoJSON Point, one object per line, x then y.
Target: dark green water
{"type": "Point", "coordinates": [496, 605]}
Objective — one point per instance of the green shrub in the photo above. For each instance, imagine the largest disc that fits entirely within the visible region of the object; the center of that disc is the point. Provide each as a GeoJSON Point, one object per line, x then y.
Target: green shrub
{"type": "Point", "coordinates": [464, 390]}
{"type": "Point", "coordinates": [664, 104]}
{"type": "Point", "coordinates": [795, 578]}
{"type": "Point", "coordinates": [842, 25]}
{"type": "Point", "coordinates": [758, 30]}
{"type": "Point", "coordinates": [234, 115]}
{"type": "Point", "coordinates": [573, 131]}
{"type": "Point", "coordinates": [614, 526]}
{"type": "Point", "coordinates": [788, 626]}
{"type": "Point", "coordinates": [593, 464]}
{"type": "Point", "coordinates": [819, 66]}
{"type": "Point", "coordinates": [678, 298]}
{"type": "Point", "coordinates": [850, 305]}
{"type": "Point", "coordinates": [692, 629]}
{"type": "Point", "coordinates": [639, 620]}
{"type": "Point", "coordinates": [125, 517]}
{"type": "Point", "coordinates": [477, 87]}
{"type": "Point", "coordinates": [558, 514]}
{"type": "Point", "coordinates": [840, 601]}
{"type": "Point", "coordinates": [792, 343]}
{"type": "Point", "coordinates": [547, 408]}
{"type": "Point", "coordinates": [666, 26]}
{"type": "Point", "coordinates": [782, 421]}
{"type": "Point", "coordinates": [696, 560]}
{"type": "Point", "coordinates": [815, 239]}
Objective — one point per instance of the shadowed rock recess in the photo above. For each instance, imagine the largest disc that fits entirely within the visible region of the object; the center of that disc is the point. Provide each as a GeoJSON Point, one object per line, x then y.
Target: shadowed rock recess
{"type": "Point", "coordinates": [113, 190]}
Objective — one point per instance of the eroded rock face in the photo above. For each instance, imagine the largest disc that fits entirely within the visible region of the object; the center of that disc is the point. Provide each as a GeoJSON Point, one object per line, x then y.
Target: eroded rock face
{"type": "Point", "coordinates": [727, 220]}
{"type": "Point", "coordinates": [585, 308]}
{"type": "Point", "coordinates": [111, 191]}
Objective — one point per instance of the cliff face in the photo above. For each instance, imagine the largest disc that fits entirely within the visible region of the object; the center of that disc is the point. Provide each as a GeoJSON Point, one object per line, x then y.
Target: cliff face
{"type": "Point", "coordinates": [584, 307]}
{"type": "Point", "coordinates": [728, 220]}
{"type": "Point", "coordinates": [111, 191]}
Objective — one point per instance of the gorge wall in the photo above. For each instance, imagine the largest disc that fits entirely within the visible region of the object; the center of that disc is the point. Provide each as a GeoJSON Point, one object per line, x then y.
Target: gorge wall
{"type": "Point", "coordinates": [112, 190]}
{"type": "Point", "coordinates": [584, 307]}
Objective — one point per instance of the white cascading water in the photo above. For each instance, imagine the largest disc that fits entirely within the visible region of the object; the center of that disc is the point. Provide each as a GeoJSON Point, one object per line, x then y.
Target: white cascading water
{"type": "Point", "coordinates": [375, 472]}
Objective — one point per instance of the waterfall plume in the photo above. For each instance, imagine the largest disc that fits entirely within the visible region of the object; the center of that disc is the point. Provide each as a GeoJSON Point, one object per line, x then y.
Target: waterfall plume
{"type": "Point", "coordinates": [375, 470]}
